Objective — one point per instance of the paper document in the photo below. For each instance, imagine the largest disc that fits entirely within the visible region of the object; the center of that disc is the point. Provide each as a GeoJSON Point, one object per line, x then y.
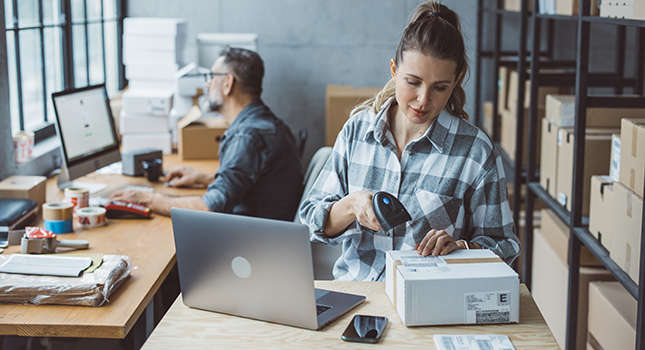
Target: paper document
{"type": "Point", "coordinates": [45, 265]}
{"type": "Point", "coordinates": [473, 342]}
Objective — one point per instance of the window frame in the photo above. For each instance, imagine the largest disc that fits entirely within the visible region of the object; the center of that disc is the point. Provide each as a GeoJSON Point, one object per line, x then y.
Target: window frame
{"type": "Point", "coordinates": [66, 24]}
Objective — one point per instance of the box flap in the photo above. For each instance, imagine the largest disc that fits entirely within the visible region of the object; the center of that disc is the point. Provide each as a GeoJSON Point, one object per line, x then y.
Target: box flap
{"type": "Point", "coordinates": [193, 114]}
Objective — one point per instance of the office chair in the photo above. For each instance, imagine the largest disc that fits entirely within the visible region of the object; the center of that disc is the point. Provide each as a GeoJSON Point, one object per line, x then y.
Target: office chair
{"type": "Point", "coordinates": [301, 141]}
{"type": "Point", "coordinates": [324, 256]}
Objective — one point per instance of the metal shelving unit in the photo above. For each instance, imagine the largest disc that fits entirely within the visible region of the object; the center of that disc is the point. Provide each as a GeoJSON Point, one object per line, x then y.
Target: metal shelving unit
{"type": "Point", "coordinates": [582, 79]}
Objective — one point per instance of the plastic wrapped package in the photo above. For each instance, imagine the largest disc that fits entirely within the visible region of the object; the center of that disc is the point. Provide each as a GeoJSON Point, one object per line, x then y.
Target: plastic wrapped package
{"type": "Point", "coordinates": [90, 289]}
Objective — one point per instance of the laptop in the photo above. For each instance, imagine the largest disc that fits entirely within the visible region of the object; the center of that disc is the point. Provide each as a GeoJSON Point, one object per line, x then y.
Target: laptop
{"type": "Point", "coordinates": [252, 267]}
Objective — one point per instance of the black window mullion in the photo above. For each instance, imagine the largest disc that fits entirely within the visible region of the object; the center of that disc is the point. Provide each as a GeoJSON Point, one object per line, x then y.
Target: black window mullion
{"type": "Point", "coordinates": [21, 117]}
{"type": "Point", "coordinates": [42, 57]}
{"type": "Point", "coordinates": [68, 45]}
{"type": "Point", "coordinates": [87, 43]}
{"type": "Point", "coordinates": [103, 43]}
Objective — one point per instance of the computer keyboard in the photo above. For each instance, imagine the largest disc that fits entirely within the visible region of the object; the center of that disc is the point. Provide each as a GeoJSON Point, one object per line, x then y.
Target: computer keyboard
{"type": "Point", "coordinates": [139, 188]}
{"type": "Point", "coordinates": [321, 308]}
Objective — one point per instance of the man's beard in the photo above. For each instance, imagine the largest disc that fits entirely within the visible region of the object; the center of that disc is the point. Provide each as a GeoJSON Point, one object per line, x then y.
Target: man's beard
{"type": "Point", "coordinates": [215, 103]}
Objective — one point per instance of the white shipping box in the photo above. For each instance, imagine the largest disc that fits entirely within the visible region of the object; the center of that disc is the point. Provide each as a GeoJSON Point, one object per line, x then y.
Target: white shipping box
{"type": "Point", "coordinates": [154, 42]}
{"type": "Point", "coordinates": [134, 55]}
{"type": "Point", "coordinates": [151, 71]}
{"type": "Point", "coordinates": [463, 287]}
{"type": "Point", "coordinates": [151, 84]}
{"type": "Point", "coordinates": [144, 101]}
{"type": "Point", "coordinates": [142, 123]}
{"type": "Point", "coordinates": [135, 142]}
{"type": "Point", "coordinates": [154, 26]}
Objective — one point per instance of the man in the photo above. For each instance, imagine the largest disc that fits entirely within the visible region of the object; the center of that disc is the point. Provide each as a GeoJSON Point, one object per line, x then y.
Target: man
{"type": "Point", "coordinates": [260, 172]}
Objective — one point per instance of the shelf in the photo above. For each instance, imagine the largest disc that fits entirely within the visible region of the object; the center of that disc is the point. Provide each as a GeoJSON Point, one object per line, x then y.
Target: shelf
{"type": "Point", "coordinates": [603, 256]}
{"type": "Point", "coordinates": [614, 21]}
{"type": "Point", "coordinates": [594, 79]}
{"type": "Point", "coordinates": [622, 101]}
{"type": "Point", "coordinates": [557, 17]}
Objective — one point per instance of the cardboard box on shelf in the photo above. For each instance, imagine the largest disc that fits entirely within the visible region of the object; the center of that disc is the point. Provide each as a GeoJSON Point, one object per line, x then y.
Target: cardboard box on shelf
{"type": "Point", "coordinates": [600, 208]}
{"type": "Point", "coordinates": [508, 132]}
{"type": "Point", "coordinates": [639, 10]}
{"type": "Point", "coordinates": [612, 316]}
{"type": "Point", "coordinates": [627, 221]}
{"type": "Point", "coordinates": [24, 186]}
{"type": "Point", "coordinates": [614, 166]}
{"type": "Point", "coordinates": [340, 100]}
{"type": "Point", "coordinates": [550, 286]}
{"type": "Point", "coordinates": [557, 233]}
{"type": "Point", "coordinates": [570, 7]}
{"type": "Point", "coordinates": [543, 91]}
{"type": "Point", "coordinates": [596, 162]}
{"type": "Point", "coordinates": [549, 157]}
{"type": "Point", "coordinates": [632, 154]}
{"type": "Point", "coordinates": [560, 109]}
{"type": "Point", "coordinates": [142, 123]}
{"type": "Point", "coordinates": [488, 118]}
{"type": "Point", "coordinates": [514, 5]}
{"type": "Point", "coordinates": [503, 78]}
{"type": "Point", "coordinates": [463, 287]}
{"type": "Point", "coordinates": [144, 101]}
{"type": "Point", "coordinates": [139, 141]}
{"type": "Point", "coordinates": [199, 138]}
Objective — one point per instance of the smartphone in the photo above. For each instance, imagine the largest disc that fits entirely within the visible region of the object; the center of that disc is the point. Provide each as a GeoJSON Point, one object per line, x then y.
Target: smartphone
{"type": "Point", "coordinates": [366, 329]}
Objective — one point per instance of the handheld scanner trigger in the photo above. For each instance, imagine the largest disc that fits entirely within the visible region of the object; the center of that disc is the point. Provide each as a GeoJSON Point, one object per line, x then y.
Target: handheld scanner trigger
{"type": "Point", "coordinates": [388, 210]}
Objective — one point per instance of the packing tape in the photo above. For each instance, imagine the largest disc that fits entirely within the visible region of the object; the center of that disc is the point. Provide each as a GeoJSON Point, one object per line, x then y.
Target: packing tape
{"type": "Point", "coordinates": [58, 211]}
{"type": "Point", "coordinates": [90, 217]}
{"type": "Point", "coordinates": [60, 226]}
{"type": "Point", "coordinates": [80, 197]}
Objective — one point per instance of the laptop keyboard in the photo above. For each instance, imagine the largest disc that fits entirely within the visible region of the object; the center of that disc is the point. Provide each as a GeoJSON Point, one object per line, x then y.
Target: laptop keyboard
{"type": "Point", "coordinates": [321, 308]}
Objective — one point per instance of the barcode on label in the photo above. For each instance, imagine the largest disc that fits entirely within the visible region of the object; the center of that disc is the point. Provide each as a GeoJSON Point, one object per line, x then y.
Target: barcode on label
{"type": "Point", "coordinates": [484, 344]}
{"type": "Point", "coordinates": [492, 316]}
{"type": "Point", "coordinates": [447, 343]}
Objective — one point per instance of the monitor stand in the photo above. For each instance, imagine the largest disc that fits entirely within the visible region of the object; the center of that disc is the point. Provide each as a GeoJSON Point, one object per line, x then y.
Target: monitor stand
{"type": "Point", "coordinates": [63, 183]}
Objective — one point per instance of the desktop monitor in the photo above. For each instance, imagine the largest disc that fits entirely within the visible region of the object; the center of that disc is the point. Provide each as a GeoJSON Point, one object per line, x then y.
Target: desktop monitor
{"type": "Point", "coordinates": [87, 134]}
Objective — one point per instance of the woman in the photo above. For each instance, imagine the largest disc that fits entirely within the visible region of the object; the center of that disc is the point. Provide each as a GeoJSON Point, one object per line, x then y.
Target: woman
{"type": "Point", "coordinates": [413, 140]}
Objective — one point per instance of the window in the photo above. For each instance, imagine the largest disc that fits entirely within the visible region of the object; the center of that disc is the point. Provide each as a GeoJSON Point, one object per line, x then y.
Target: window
{"type": "Point", "coordinates": [54, 45]}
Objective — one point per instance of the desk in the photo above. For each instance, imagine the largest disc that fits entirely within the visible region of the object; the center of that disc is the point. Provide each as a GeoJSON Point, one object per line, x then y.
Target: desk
{"type": "Point", "coordinates": [186, 328]}
{"type": "Point", "coordinates": [150, 245]}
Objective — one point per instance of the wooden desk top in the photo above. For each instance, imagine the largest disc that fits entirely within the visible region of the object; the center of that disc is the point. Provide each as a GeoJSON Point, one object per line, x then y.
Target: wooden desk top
{"type": "Point", "coordinates": [186, 328]}
{"type": "Point", "coordinates": [150, 245]}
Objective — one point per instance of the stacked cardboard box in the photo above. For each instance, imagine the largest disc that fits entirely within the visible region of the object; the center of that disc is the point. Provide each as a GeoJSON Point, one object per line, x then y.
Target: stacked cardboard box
{"type": "Point", "coordinates": [340, 100]}
{"type": "Point", "coordinates": [152, 50]}
{"type": "Point", "coordinates": [612, 317]}
{"type": "Point", "coordinates": [618, 9]}
{"type": "Point", "coordinates": [551, 279]}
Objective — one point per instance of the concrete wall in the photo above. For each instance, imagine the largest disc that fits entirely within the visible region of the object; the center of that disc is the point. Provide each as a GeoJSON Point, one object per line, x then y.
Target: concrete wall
{"type": "Point", "coordinates": [308, 44]}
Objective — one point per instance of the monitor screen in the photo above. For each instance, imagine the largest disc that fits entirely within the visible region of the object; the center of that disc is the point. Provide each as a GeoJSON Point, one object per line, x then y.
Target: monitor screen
{"type": "Point", "coordinates": [85, 125]}
{"type": "Point", "coordinates": [86, 130]}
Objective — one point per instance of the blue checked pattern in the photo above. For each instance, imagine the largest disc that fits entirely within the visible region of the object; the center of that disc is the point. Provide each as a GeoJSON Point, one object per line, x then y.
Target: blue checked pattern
{"type": "Point", "coordinates": [450, 179]}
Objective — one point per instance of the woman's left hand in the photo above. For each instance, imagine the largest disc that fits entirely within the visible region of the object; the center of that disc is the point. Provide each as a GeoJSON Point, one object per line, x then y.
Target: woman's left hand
{"type": "Point", "coordinates": [436, 242]}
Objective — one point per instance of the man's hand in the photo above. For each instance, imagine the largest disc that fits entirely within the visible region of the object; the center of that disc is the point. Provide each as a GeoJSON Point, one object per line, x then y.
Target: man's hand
{"type": "Point", "coordinates": [436, 242]}
{"type": "Point", "coordinates": [135, 196]}
{"type": "Point", "coordinates": [184, 176]}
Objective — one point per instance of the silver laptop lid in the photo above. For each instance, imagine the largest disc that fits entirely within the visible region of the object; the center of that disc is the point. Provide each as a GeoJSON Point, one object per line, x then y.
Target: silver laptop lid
{"type": "Point", "coordinates": [245, 266]}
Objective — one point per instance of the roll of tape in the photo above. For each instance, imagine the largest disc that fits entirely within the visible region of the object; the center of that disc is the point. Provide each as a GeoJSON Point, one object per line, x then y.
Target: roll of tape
{"type": "Point", "coordinates": [91, 217]}
{"type": "Point", "coordinates": [80, 197]}
{"type": "Point", "coordinates": [58, 211]}
{"type": "Point", "coordinates": [59, 226]}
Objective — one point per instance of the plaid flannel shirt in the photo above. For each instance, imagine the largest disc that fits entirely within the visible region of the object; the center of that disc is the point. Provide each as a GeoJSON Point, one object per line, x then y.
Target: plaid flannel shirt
{"type": "Point", "coordinates": [449, 179]}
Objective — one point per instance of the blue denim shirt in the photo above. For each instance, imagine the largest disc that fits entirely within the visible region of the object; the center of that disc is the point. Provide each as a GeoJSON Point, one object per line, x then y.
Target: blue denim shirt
{"type": "Point", "coordinates": [260, 173]}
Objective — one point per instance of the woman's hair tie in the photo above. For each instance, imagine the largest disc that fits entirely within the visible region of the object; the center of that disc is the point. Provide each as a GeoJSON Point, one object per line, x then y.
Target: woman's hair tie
{"type": "Point", "coordinates": [434, 14]}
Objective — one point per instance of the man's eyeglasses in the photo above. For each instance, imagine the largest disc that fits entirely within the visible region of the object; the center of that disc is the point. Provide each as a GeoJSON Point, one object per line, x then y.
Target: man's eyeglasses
{"type": "Point", "coordinates": [208, 77]}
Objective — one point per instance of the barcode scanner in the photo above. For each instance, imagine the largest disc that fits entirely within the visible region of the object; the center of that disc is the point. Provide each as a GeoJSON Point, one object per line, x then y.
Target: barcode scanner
{"type": "Point", "coordinates": [388, 210]}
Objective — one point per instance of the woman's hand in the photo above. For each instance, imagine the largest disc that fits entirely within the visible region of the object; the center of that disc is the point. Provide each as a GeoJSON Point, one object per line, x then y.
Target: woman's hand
{"type": "Point", "coordinates": [361, 207]}
{"type": "Point", "coordinates": [437, 242]}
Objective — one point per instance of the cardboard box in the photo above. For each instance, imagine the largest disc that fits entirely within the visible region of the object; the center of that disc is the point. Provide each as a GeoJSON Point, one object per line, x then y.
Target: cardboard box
{"type": "Point", "coordinates": [488, 118]}
{"type": "Point", "coordinates": [596, 162]}
{"type": "Point", "coordinates": [154, 26]}
{"type": "Point", "coordinates": [146, 42]}
{"type": "Point", "coordinates": [639, 10]}
{"type": "Point", "coordinates": [340, 100]}
{"type": "Point", "coordinates": [560, 109]}
{"type": "Point", "coordinates": [29, 187]}
{"type": "Point", "coordinates": [152, 71]}
{"type": "Point", "coordinates": [612, 316]}
{"type": "Point", "coordinates": [134, 55]}
{"type": "Point", "coordinates": [557, 234]}
{"type": "Point", "coordinates": [550, 286]}
{"type": "Point", "coordinates": [632, 155]}
{"type": "Point", "coordinates": [199, 137]}
{"type": "Point", "coordinates": [508, 138]}
{"type": "Point", "coordinates": [463, 287]}
{"type": "Point", "coordinates": [502, 88]}
{"type": "Point", "coordinates": [514, 5]}
{"type": "Point", "coordinates": [147, 101]}
{"type": "Point", "coordinates": [543, 92]}
{"type": "Point", "coordinates": [151, 84]}
{"type": "Point", "coordinates": [142, 123]}
{"type": "Point", "coordinates": [549, 157]}
{"type": "Point", "coordinates": [614, 166]}
{"type": "Point", "coordinates": [600, 208]}
{"type": "Point", "coordinates": [139, 141]}
{"type": "Point", "coordinates": [627, 221]}
{"type": "Point", "coordinates": [570, 7]}
{"type": "Point", "coordinates": [617, 9]}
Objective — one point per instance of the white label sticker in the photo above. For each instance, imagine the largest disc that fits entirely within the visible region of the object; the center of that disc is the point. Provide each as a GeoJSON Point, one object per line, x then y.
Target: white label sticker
{"type": "Point", "coordinates": [473, 342]}
{"type": "Point", "coordinates": [418, 263]}
{"type": "Point", "coordinates": [488, 307]}
{"type": "Point", "coordinates": [562, 199]}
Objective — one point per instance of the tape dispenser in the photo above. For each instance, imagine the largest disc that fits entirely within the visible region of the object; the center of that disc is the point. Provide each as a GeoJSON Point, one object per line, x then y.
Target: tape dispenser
{"type": "Point", "coordinates": [40, 241]}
